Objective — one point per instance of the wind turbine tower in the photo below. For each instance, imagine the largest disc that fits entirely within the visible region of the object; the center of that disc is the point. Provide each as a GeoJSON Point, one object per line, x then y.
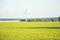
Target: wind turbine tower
{"type": "Point", "coordinates": [26, 15]}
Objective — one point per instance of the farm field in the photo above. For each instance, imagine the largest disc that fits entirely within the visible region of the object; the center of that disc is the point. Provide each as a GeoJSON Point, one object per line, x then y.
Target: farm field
{"type": "Point", "coordinates": [29, 30]}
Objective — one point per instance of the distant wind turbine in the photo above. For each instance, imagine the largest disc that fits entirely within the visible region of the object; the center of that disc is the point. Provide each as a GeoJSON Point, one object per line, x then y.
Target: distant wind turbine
{"type": "Point", "coordinates": [25, 14]}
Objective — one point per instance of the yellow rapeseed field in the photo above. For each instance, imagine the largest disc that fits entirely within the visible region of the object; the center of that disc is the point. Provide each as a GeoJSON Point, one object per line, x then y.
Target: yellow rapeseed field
{"type": "Point", "coordinates": [29, 31]}
{"type": "Point", "coordinates": [29, 24]}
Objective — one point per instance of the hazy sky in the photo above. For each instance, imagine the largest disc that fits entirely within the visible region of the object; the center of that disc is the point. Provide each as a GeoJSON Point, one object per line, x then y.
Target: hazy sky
{"type": "Point", "coordinates": [35, 8]}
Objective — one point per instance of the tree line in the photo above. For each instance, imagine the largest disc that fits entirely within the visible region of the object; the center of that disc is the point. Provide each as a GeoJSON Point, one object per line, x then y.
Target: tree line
{"type": "Point", "coordinates": [41, 20]}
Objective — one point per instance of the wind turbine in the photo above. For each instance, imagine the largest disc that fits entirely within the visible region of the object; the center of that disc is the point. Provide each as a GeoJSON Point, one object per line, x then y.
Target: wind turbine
{"type": "Point", "coordinates": [25, 15]}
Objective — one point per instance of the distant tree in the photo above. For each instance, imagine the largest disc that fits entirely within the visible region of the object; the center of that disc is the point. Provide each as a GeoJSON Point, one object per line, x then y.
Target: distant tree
{"type": "Point", "coordinates": [34, 20]}
{"type": "Point", "coordinates": [59, 18]}
{"type": "Point", "coordinates": [22, 20]}
{"type": "Point", "coordinates": [38, 20]}
{"type": "Point", "coordinates": [30, 20]}
{"type": "Point", "coordinates": [52, 20]}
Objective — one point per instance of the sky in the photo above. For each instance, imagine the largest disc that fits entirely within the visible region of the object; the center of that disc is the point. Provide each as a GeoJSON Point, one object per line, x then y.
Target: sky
{"type": "Point", "coordinates": [29, 8]}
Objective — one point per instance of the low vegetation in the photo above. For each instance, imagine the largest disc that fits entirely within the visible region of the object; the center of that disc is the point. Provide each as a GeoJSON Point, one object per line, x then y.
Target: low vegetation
{"type": "Point", "coordinates": [29, 31]}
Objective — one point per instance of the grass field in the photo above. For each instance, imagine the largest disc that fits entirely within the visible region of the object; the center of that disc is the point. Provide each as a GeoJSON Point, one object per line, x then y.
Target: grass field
{"type": "Point", "coordinates": [29, 30]}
